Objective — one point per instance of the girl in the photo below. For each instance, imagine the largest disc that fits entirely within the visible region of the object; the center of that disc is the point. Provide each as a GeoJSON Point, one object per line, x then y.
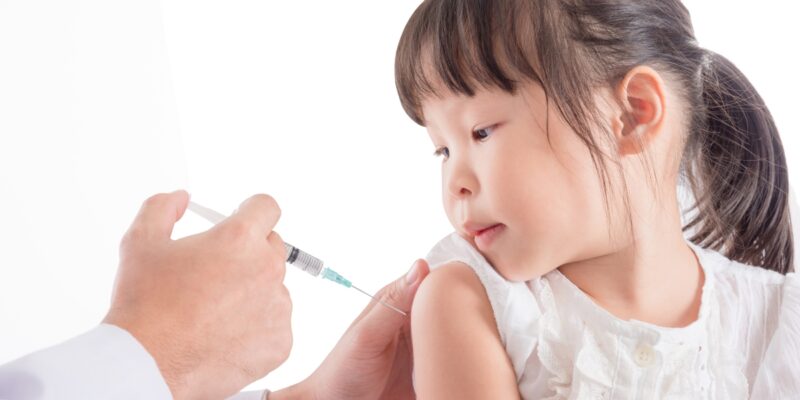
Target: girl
{"type": "Point", "coordinates": [565, 129]}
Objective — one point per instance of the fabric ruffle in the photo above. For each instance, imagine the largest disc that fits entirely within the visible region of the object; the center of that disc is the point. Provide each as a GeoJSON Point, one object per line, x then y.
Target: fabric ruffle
{"type": "Point", "coordinates": [779, 375]}
{"type": "Point", "coordinates": [581, 349]}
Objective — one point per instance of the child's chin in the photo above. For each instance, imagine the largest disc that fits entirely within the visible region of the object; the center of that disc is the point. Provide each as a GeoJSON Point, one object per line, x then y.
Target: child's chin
{"type": "Point", "coordinates": [517, 270]}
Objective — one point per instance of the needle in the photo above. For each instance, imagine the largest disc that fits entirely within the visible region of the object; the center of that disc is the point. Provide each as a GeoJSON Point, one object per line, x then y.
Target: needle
{"type": "Point", "coordinates": [380, 301]}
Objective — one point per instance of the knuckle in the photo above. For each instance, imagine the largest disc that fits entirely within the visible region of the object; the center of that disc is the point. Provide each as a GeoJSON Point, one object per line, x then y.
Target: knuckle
{"type": "Point", "coordinates": [279, 265]}
{"type": "Point", "coordinates": [280, 319]}
{"type": "Point", "coordinates": [286, 340]}
{"type": "Point", "coordinates": [283, 303]}
{"type": "Point", "coordinates": [278, 262]}
{"type": "Point", "coordinates": [280, 270]}
{"type": "Point", "coordinates": [236, 230]}
{"type": "Point", "coordinates": [282, 347]}
{"type": "Point", "coordinates": [132, 237]}
{"type": "Point", "coordinates": [287, 298]}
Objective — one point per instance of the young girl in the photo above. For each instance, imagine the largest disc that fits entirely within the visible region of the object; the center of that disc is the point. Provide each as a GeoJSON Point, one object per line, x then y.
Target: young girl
{"type": "Point", "coordinates": [565, 129]}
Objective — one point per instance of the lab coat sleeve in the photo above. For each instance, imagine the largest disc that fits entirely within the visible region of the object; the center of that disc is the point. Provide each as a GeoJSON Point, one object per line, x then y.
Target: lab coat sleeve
{"type": "Point", "coordinates": [105, 363]}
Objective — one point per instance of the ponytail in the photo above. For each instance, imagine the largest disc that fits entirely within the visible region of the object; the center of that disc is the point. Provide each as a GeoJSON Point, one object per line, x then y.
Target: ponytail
{"type": "Point", "coordinates": [735, 165]}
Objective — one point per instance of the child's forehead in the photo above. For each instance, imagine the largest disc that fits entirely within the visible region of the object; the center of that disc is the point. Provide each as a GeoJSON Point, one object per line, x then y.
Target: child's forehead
{"type": "Point", "coordinates": [446, 108]}
{"type": "Point", "coordinates": [447, 104]}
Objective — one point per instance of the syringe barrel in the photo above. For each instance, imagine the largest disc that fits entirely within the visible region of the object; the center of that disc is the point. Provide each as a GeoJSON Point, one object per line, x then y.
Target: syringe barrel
{"type": "Point", "coordinates": [303, 260]}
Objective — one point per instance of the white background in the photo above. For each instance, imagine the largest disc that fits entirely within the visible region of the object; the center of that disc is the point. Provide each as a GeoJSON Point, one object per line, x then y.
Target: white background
{"type": "Point", "coordinates": [105, 103]}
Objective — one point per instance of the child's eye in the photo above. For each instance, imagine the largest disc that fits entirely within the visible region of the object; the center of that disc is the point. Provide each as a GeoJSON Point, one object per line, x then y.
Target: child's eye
{"type": "Point", "coordinates": [442, 151]}
{"type": "Point", "coordinates": [483, 133]}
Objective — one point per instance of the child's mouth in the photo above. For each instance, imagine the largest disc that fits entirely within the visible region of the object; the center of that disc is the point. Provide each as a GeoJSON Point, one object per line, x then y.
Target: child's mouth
{"type": "Point", "coordinates": [485, 237]}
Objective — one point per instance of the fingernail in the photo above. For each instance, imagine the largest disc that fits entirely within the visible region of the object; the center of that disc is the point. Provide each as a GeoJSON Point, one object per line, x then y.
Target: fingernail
{"type": "Point", "coordinates": [413, 273]}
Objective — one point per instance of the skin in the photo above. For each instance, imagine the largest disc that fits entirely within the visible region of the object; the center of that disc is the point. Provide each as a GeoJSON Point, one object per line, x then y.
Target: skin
{"type": "Point", "coordinates": [373, 359]}
{"type": "Point", "coordinates": [218, 316]}
{"type": "Point", "coordinates": [210, 308]}
{"type": "Point", "coordinates": [549, 200]}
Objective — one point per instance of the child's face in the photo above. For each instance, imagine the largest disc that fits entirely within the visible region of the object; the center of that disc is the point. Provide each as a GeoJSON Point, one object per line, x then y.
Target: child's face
{"type": "Point", "coordinates": [543, 200]}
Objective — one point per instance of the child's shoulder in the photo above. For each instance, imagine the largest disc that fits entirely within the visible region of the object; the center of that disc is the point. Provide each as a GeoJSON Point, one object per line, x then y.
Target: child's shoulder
{"type": "Point", "coordinates": [743, 280]}
{"type": "Point", "coordinates": [761, 299]}
{"type": "Point", "coordinates": [452, 284]}
{"type": "Point", "coordinates": [453, 329]}
{"type": "Point", "coordinates": [763, 307]}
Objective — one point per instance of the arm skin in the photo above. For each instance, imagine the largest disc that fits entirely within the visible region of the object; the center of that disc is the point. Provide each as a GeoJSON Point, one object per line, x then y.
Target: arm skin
{"type": "Point", "coordinates": [457, 349]}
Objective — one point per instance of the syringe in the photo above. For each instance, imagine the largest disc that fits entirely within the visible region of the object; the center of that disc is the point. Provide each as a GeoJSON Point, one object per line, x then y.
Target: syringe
{"type": "Point", "coordinates": [294, 256]}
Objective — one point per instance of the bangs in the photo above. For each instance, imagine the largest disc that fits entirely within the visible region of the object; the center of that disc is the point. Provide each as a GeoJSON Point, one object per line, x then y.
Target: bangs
{"type": "Point", "coordinates": [458, 46]}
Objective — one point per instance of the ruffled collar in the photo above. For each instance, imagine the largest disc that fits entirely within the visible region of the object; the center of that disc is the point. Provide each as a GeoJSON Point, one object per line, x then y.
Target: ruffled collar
{"type": "Point", "coordinates": [567, 351]}
{"type": "Point", "coordinates": [563, 289]}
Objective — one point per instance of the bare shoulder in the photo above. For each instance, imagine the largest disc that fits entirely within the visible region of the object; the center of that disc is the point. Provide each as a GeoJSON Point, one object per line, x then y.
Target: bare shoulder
{"type": "Point", "coordinates": [451, 285]}
{"type": "Point", "coordinates": [457, 348]}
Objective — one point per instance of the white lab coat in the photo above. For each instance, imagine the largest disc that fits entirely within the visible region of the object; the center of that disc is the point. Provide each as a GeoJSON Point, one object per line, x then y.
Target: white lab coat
{"type": "Point", "coordinates": [105, 363]}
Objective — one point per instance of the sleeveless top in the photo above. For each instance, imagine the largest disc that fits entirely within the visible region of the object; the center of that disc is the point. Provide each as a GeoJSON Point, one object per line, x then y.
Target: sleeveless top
{"type": "Point", "coordinates": [562, 345]}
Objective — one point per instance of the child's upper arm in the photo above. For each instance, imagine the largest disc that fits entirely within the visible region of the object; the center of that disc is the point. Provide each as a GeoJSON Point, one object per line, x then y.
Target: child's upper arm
{"type": "Point", "coordinates": [457, 349]}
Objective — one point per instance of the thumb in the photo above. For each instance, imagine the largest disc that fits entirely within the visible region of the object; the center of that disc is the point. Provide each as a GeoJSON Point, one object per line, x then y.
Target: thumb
{"type": "Point", "coordinates": [382, 322]}
{"type": "Point", "coordinates": [159, 213]}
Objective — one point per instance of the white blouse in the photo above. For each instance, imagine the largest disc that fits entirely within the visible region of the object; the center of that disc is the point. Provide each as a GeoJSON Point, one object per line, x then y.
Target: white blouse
{"type": "Point", "coordinates": [562, 345]}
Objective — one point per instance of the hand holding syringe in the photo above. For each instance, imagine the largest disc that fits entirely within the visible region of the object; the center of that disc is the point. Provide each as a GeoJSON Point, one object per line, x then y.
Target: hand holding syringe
{"type": "Point", "coordinates": [295, 256]}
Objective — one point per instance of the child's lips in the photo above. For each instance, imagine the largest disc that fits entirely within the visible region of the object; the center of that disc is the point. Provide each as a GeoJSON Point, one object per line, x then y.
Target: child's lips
{"type": "Point", "coordinates": [476, 230]}
{"type": "Point", "coordinates": [473, 228]}
{"type": "Point", "coordinates": [485, 237]}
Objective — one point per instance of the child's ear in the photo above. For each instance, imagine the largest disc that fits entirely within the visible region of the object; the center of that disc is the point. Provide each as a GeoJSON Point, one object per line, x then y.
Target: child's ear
{"type": "Point", "coordinates": [641, 95]}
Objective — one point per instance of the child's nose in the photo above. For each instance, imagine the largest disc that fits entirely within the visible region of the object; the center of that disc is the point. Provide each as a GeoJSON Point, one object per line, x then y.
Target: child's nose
{"type": "Point", "coordinates": [462, 183]}
{"type": "Point", "coordinates": [462, 192]}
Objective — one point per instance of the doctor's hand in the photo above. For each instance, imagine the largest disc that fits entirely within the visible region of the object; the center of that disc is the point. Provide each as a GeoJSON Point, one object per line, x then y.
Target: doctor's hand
{"type": "Point", "coordinates": [373, 359]}
{"type": "Point", "coordinates": [210, 308]}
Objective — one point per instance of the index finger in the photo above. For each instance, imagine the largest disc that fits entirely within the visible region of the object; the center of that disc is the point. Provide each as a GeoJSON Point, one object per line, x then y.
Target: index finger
{"type": "Point", "coordinates": [261, 210]}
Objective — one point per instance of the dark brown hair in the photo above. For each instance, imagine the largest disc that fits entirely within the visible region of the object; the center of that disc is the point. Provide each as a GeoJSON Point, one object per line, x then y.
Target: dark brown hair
{"type": "Point", "coordinates": [733, 158]}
